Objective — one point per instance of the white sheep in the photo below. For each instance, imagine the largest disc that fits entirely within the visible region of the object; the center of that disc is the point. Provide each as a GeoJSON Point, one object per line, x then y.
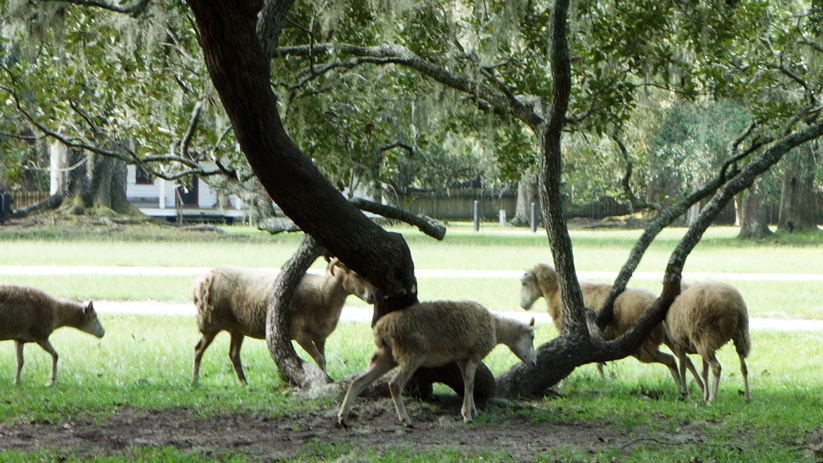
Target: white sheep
{"type": "Point", "coordinates": [541, 281]}
{"type": "Point", "coordinates": [434, 334]}
{"type": "Point", "coordinates": [703, 318]}
{"type": "Point", "coordinates": [30, 315]}
{"type": "Point", "coordinates": [234, 299]}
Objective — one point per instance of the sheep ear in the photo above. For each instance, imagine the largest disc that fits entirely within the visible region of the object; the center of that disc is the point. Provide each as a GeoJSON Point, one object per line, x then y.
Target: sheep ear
{"type": "Point", "coordinates": [531, 323]}
{"type": "Point", "coordinates": [334, 263]}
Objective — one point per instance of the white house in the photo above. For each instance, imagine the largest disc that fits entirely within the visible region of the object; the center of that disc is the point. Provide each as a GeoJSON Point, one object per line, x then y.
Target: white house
{"type": "Point", "coordinates": [157, 197]}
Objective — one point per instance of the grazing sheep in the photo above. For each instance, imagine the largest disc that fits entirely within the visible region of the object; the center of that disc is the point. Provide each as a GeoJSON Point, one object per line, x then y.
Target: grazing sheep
{"type": "Point", "coordinates": [234, 299]}
{"type": "Point", "coordinates": [433, 334]}
{"type": "Point", "coordinates": [541, 280]}
{"type": "Point", "coordinates": [703, 318]}
{"type": "Point", "coordinates": [30, 315]}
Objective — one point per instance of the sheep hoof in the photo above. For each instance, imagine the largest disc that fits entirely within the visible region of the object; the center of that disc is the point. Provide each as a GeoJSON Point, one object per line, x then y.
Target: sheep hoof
{"type": "Point", "coordinates": [409, 425]}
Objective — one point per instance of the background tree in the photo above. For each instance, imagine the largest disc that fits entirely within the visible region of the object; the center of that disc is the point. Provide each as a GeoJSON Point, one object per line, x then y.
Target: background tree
{"type": "Point", "coordinates": [797, 205]}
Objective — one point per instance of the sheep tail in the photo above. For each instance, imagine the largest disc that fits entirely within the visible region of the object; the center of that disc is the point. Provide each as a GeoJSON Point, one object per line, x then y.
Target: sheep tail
{"type": "Point", "coordinates": [201, 292]}
{"type": "Point", "coordinates": [742, 341]}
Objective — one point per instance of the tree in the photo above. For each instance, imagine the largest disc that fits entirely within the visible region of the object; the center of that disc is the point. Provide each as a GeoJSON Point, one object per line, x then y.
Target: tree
{"type": "Point", "coordinates": [593, 94]}
{"type": "Point", "coordinates": [548, 119]}
{"type": "Point", "coordinates": [144, 102]}
{"type": "Point", "coordinates": [797, 208]}
{"type": "Point", "coordinates": [754, 223]}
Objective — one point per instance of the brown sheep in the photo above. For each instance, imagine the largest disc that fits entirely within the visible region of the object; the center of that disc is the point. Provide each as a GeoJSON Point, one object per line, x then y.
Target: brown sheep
{"type": "Point", "coordinates": [31, 315]}
{"type": "Point", "coordinates": [433, 334]}
{"type": "Point", "coordinates": [541, 281]}
{"type": "Point", "coordinates": [703, 318]}
{"type": "Point", "coordinates": [234, 299]}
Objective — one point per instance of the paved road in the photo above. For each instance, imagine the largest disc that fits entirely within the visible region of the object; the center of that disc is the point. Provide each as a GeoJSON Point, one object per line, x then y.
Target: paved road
{"type": "Point", "coordinates": [420, 273]}
{"type": "Point", "coordinates": [363, 314]}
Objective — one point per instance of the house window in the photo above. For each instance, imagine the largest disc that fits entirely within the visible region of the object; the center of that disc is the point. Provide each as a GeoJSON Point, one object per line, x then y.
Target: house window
{"type": "Point", "coordinates": [142, 176]}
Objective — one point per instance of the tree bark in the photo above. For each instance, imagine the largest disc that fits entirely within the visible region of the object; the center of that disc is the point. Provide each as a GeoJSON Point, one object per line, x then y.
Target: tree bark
{"type": "Point", "coordinates": [292, 368]}
{"type": "Point", "coordinates": [797, 209]}
{"type": "Point", "coordinates": [88, 181]}
{"type": "Point", "coordinates": [239, 69]}
{"type": "Point", "coordinates": [754, 224]}
{"type": "Point", "coordinates": [525, 198]}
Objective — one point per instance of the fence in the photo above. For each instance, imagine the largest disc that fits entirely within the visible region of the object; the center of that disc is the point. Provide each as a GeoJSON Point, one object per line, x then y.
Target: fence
{"type": "Point", "coordinates": [21, 199]}
{"type": "Point", "coordinates": [459, 205]}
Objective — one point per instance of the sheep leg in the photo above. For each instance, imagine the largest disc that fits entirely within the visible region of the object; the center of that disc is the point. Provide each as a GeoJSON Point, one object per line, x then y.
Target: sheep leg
{"type": "Point", "coordinates": [234, 356]}
{"type": "Point", "coordinates": [706, 379]}
{"type": "Point", "coordinates": [468, 368]}
{"type": "Point", "coordinates": [19, 347]}
{"type": "Point", "coordinates": [396, 388]}
{"type": "Point", "coordinates": [716, 369]}
{"type": "Point", "coordinates": [696, 376]}
{"type": "Point", "coordinates": [309, 346]}
{"type": "Point", "coordinates": [745, 372]}
{"type": "Point", "coordinates": [380, 365]}
{"type": "Point", "coordinates": [199, 349]}
{"type": "Point", "coordinates": [669, 361]}
{"type": "Point", "coordinates": [46, 345]}
{"type": "Point", "coordinates": [681, 383]}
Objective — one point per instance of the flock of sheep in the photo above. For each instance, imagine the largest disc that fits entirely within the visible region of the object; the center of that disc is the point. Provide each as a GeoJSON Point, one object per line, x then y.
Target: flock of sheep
{"type": "Point", "coordinates": [704, 317]}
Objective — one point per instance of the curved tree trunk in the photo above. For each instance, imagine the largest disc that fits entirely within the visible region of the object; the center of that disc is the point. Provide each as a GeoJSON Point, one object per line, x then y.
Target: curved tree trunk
{"type": "Point", "coordinates": [576, 346]}
{"type": "Point", "coordinates": [797, 210]}
{"type": "Point", "coordinates": [292, 368]}
{"type": "Point", "coordinates": [753, 221]}
{"type": "Point", "coordinates": [305, 196]}
{"type": "Point", "coordinates": [240, 70]}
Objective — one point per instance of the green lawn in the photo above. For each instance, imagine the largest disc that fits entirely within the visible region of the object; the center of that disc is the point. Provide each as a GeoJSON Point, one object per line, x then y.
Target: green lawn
{"type": "Point", "coordinates": [144, 362]}
{"type": "Point", "coordinates": [462, 249]}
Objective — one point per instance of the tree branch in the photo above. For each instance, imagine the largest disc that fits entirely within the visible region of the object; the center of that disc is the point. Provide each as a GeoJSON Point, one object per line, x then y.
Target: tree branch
{"type": "Point", "coordinates": [133, 10]}
{"type": "Point", "coordinates": [634, 201]}
{"type": "Point", "coordinates": [395, 54]}
{"type": "Point", "coordinates": [427, 225]}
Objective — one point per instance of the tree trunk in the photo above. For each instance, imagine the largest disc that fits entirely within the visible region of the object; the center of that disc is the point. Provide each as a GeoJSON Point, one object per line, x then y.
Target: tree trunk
{"type": "Point", "coordinates": [753, 221]}
{"type": "Point", "coordinates": [797, 209]}
{"type": "Point", "coordinates": [239, 69]}
{"type": "Point", "coordinates": [91, 183]}
{"type": "Point", "coordinates": [99, 182]}
{"type": "Point", "coordinates": [525, 198]}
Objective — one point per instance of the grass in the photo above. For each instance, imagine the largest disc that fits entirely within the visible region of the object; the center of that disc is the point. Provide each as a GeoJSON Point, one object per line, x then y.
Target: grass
{"type": "Point", "coordinates": [462, 249]}
{"type": "Point", "coordinates": [144, 362]}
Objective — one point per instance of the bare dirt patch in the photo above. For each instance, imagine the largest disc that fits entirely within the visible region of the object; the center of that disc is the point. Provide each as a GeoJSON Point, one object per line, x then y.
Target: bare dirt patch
{"type": "Point", "coordinates": [262, 438]}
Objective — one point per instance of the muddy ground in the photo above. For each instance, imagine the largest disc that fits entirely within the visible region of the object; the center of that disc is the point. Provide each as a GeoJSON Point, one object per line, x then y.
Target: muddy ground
{"type": "Point", "coordinates": [261, 438]}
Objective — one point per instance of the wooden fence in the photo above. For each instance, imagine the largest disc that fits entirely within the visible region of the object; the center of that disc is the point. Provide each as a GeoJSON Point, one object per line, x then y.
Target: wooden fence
{"type": "Point", "coordinates": [459, 205]}
{"type": "Point", "coordinates": [21, 199]}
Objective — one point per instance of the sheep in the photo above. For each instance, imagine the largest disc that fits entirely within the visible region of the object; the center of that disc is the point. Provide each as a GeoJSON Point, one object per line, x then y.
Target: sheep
{"type": "Point", "coordinates": [234, 299]}
{"type": "Point", "coordinates": [434, 334]}
{"type": "Point", "coordinates": [541, 281]}
{"type": "Point", "coordinates": [703, 318]}
{"type": "Point", "coordinates": [30, 315]}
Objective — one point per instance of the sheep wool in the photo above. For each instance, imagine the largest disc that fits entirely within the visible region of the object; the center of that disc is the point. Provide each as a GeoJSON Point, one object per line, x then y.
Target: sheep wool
{"type": "Point", "coordinates": [31, 315]}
